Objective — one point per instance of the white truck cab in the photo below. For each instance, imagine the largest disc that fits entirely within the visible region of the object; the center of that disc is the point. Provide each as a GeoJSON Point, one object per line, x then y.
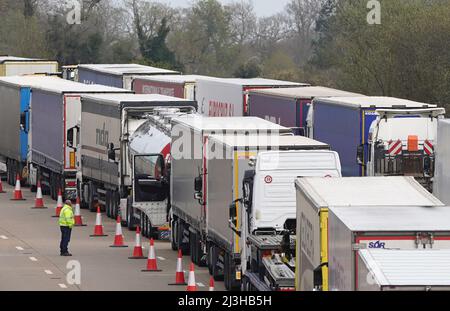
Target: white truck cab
{"type": "Point", "coordinates": [401, 143]}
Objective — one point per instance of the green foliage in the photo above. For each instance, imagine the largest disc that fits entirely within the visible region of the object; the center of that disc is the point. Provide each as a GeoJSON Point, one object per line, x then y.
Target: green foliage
{"type": "Point", "coordinates": [249, 69]}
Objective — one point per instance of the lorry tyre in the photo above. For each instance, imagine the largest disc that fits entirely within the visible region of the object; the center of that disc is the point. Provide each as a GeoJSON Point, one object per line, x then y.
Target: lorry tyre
{"type": "Point", "coordinates": [192, 247]}
{"type": "Point", "coordinates": [115, 204]}
{"type": "Point", "coordinates": [91, 197]}
{"type": "Point", "coordinates": [217, 274]}
{"type": "Point", "coordinates": [185, 249]}
{"type": "Point", "coordinates": [131, 221]}
{"type": "Point", "coordinates": [107, 203]}
{"type": "Point", "coordinates": [226, 272]}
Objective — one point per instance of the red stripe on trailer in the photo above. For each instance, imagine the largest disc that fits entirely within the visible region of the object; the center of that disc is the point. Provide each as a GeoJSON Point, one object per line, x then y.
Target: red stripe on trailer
{"type": "Point", "coordinates": [428, 147]}
{"type": "Point", "coordinates": [395, 148]}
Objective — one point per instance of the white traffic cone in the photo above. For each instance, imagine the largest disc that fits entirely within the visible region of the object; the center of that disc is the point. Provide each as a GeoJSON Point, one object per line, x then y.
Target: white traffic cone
{"type": "Point", "coordinates": [137, 252]}
{"type": "Point", "coordinates": [98, 230]}
{"type": "Point", "coordinates": [59, 204]}
{"type": "Point", "coordinates": [18, 191]}
{"type": "Point", "coordinates": [77, 214]}
{"type": "Point", "coordinates": [39, 203]}
{"type": "Point", "coordinates": [152, 264]}
{"type": "Point", "coordinates": [192, 286]}
{"type": "Point", "coordinates": [118, 239]}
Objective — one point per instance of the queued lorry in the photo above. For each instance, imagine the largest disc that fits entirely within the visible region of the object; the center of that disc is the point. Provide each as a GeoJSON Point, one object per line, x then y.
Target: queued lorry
{"type": "Point", "coordinates": [182, 86]}
{"type": "Point", "coordinates": [228, 97]}
{"type": "Point", "coordinates": [315, 196]}
{"type": "Point", "coordinates": [251, 244]}
{"type": "Point", "coordinates": [363, 227]}
{"type": "Point", "coordinates": [289, 106]}
{"type": "Point", "coordinates": [113, 153]}
{"type": "Point", "coordinates": [18, 66]}
{"type": "Point", "coordinates": [396, 270]}
{"type": "Point", "coordinates": [442, 175]}
{"type": "Point", "coordinates": [54, 119]}
{"type": "Point", "coordinates": [56, 105]}
{"type": "Point", "coordinates": [116, 75]}
{"type": "Point", "coordinates": [378, 136]}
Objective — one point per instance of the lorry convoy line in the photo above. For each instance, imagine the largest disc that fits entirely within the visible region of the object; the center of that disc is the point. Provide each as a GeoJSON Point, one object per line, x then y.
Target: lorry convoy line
{"type": "Point", "coordinates": [240, 194]}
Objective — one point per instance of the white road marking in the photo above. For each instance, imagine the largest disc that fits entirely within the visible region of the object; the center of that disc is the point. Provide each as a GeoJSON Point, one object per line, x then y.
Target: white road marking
{"type": "Point", "coordinates": [33, 258]}
{"type": "Point", "coordinates": [200, 284]}
{"type": "Point", "coordinates": [161, 258]}
{"type": "Point", "coordinates": [3, 237]}
{"type": "Point", "coordinates": [62, 285]}
{"type": "Point", "coordinates": [49, 272]}
{"type": "Point", "coordinates": [19, 248]}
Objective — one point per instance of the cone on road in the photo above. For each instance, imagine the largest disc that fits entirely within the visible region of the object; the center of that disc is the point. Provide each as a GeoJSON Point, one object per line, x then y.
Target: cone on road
{"type": "Point", "coordinates": [179, 275]}
{"type": "Point", "coordinates": [39, 202]}
{"type": "Point", "coordinates": [18, 191]}
{"type": "Point", "coordinates": [77, 215]}
{"type": "Point", "coordinates": [211, 284]}
{"type": "Point", "coordinates": [152, 265]}
{"type": "Point", "coordinates": [1, 187]}
{"type": "Point", "coordinates": [59, 204]}
{"type": "Point", "coordinates": [137, 252]}
{"type": "Point", "coordinates": [98, 230]}
{"type": "Point", "coordinates": [118, 239]}
{"type": "Point", "coordinates": [192, 286]}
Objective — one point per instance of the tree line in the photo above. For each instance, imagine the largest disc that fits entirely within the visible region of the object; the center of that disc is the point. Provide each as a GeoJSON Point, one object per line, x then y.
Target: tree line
{"type": "Point", "coordinates": [323, 42]}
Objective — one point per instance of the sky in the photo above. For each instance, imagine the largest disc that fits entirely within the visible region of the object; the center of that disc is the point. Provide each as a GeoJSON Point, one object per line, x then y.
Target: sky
{"type": "Point", "coordinates": [262, 7]}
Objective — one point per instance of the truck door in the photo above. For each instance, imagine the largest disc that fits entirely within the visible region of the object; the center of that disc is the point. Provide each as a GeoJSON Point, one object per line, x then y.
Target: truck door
{"type": "Point", "coordinates": [368, 117]}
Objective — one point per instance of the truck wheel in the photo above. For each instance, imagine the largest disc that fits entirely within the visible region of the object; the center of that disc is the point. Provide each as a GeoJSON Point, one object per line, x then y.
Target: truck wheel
{"type": "Point", "coordinates": [108, 203]}
{"type": "Point", "coordinates": [115, 204]}
{"type": "Point", "coordinates": [226, 273]}
{"type": "Point", "coordinates": [131, 221]}
{"type": "Point", "coordinates": [192, 247]}
{"type": "Point", "coordinates": [216, 272]}
{"type": "Point", "coordinates": [91, 195]}
{"type": "Point", "coordinates": [185, 249]}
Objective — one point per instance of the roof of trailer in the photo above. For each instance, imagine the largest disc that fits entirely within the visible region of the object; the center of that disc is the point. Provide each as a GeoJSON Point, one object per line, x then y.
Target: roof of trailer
{"type": "Point", "coordinates": [133, 98]}
{"type": "Point", "coordinates": [121, 69]}
{"type": "Point", "coordinates": [266, 141]}
{"type": "Point", "coordinates": [175, 78]}
{"type": "Point", "coordinates": [6, 58]}
{"type": "Point", "coordinates": [255, 82]}
{"type": "Point", "coordinates": [375, 102]}
{"type": "Point", "coordinates": [308, 92]}
{"type": "Point", "coordinates": [400, 267]}
{"type": "Point", "coordinates": [373, 191]}
{"type": "Point", "coordinates": [200, 122]}
{"type": "Point", "coordinates": [393, 218]}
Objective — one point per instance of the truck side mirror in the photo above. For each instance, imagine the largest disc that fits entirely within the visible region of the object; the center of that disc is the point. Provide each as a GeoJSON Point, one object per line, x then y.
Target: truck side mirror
{"type": "Point", "coordinates": [23, 121]}
{"type": "Point", "coordinates": [198, 184]}
{"type": "Point", "coordinates": [70, 136]}
{"type": "Point", "coordinates": [360, 155]}
{"type": "Point", "coordinates": [111, 152]}
{"type": "Point", "coordinates": [233, 217]}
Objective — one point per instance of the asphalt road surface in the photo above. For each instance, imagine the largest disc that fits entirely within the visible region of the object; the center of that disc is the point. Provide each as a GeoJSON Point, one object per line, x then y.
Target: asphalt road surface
{"type": "Point", "coordinates": [30, 261]}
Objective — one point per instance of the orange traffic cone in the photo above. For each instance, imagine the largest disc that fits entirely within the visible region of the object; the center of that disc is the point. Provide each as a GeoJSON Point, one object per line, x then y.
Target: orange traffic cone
{"type": "Point", "coordinates": [39, 203]}
{"type": "Point", "coordinates": [179, 275]}
{"type": "Point", "coordinates": [18, 191]}
{"type": "Point", "coordinates": [211, 284]}
{"type": "Point", "coordinates": [59, 204]}
{"type": "Point", "coordinates": [98, 230]}
{"type": "Point", "coordinates": [137, 252]}
{"type": "Point", "coordinates": [152, 265]}
{"type": "Point", "coordinates": [1, 186]}
{"type": "Point", "coordinates": [118, 240]}
{"type": "Point", "coordinates": [192, 286]}
{"type": "Point", "coordinates": [77, 214]}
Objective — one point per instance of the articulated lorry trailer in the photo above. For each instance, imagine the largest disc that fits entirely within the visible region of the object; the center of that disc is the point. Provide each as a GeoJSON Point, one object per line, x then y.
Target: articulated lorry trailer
{"type": "Point", "coordinates": [18, 66]}
{"type": "Point", "coordinates": [289, 106]}
{"type": "Point", "coordinates": [397, 270]}
{"type": "Point", "coordinates": [15, 100]}
{"type": "Point", "coordinates": [116, 75]}
{"type": "Point", "coordinates": [55, 127]}
{"type": "Point", "coordinates": [315, 196]}
{"type": "Point", "coordinates": [229, 97]}
{"type": "Point", "coordinates": [379, 136]}
{"type": "Point", "coordinates": [110, 165]}
{"type": "Point", "coordinates": [359, 228]}
{"type": "Point", "coordinates": [182, 86]}
{"type": "Point", "coordinates": [251, 243]}
{"type": "Point", "coordinates": [442, 175]}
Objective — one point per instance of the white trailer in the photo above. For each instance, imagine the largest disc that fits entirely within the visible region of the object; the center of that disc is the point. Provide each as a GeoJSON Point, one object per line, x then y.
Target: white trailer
{"type": "Point", "coordinates": [18, 66]}
{"type": "Point", "coordinates": [189, 174]}
{"type": "Point", "coordinates": [314, 198]}
{"type": "Point", "coordinates": [256, 174]}
{"type": "Point", "coordinates": [229, 97]}
{"type": "Point", "coordinates": [384, 227]}
{"type": "Point", "coordinates": [403, 270]}
{"type": "Point", "coordinates": [442, 175]}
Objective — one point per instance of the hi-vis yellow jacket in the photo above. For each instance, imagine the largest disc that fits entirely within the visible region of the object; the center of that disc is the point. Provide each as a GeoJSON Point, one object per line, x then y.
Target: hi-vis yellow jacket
{"type": "Point", "coordinates": [66, 217]}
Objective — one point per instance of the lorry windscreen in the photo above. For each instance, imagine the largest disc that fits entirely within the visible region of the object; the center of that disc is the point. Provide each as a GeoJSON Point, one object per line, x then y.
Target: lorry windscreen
{"type": "Point", "coordinates": [149, 184]}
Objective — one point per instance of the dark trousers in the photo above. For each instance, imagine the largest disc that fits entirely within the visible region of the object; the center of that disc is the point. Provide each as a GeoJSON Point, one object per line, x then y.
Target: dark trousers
{"type": "Point", "coordinates": [66, 232]}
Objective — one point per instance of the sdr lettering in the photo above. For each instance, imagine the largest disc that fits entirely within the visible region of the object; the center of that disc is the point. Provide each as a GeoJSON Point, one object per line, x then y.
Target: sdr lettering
{"type": "Point", "coordinates": [377, 244]}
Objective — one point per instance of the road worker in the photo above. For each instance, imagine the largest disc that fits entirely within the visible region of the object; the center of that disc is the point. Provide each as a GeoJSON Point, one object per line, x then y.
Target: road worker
{"type": "Point", "coordinates": [66, 223]}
